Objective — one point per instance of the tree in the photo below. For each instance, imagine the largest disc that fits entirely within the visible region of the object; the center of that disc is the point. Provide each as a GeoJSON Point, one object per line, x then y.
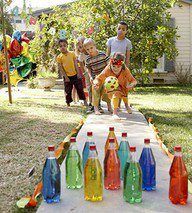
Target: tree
{"type": "Point", "coordinates": [148, 21]}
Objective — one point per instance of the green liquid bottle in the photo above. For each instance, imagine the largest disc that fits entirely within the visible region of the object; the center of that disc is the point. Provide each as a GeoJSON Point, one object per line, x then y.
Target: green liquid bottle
{"type": "Point", "coordinates": [132, 184]}
{"type": "Point", "coordinates": [73, 162]}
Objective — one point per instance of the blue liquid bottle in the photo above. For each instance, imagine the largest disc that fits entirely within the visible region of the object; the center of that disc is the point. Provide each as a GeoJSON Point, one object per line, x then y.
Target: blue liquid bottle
{"type": "Point", "coordinates": [51, 178]}
{"type": "Point", "coordinates": [86, 148]}
{"type": "Point", "coordinates": [148, 167]}
{"type": "Point", "coordinates": [123, 153]}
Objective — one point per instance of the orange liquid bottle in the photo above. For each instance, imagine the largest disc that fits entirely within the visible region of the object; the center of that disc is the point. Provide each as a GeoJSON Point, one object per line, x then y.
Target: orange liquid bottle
{"type": "Point", "coordinates": [111, 135]}
{"type": "Point", "coordinates": [112, 167]}
{"type": "Point", "coordinates": [178, 188]}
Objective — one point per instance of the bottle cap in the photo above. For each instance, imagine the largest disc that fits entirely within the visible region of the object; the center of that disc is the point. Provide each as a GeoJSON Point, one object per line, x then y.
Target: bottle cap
{"type": "Point", "coordinates": [51, 148]}
{"type": "Point", "coordinates": [111, 140]}
{"type": "Point", "coordinates": [92, 147]}
{"type": "Point", "coordinates": [124, 134]}
{"type": "Point", "coordinates": [177, 148]}
{"type": "Point", "coordinates": [89, 134]}
{"type": "Point", "coordinates": [132, 148]}
{"type": "Point", "coordinates": [111, 128]}
{"type": "Point", "coordinates": [147, 140]}
{"type": "Point", "coordinates": [72, 139]}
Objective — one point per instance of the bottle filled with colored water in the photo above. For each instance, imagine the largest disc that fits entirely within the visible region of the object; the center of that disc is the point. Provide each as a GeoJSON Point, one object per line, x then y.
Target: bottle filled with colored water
{"type": "Point", "coordinates": [73, 167]}
{"type": "Point", "coordinates": [51, 178]}
{"type": "Point", "coordinates": [148, 167]}
{"type": "Point", "coordinates": [93, 185]}
{"type": "Point", "coordinates": [178, 188]}
{"type": "Point", "coordinates": [111, 135]}
{"type": "Point", "coordinates": [123, 153]}
{"type": "Point", "coordinates": [86, 149]}
{"type": "Point", "coordinates": [132, 184]}
{"type": "Point", "coordinates": [112, 167]}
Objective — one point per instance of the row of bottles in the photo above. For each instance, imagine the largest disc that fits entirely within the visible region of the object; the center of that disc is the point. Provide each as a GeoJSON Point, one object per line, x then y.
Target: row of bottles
{"type": "Point", "coordinates": [120, 163]}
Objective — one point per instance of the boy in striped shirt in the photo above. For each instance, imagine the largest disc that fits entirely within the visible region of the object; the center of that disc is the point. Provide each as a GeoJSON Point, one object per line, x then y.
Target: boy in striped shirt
{"type": "Point", "coordinates": [95, 64]}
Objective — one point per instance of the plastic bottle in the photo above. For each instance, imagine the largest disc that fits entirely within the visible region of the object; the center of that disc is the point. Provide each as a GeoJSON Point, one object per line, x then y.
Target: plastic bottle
{"type": "Point", "coordinates": [112, 167]}
{"type": "Point", "coordinates": [73, 167]}
{"type": "Point", "coordinates": [86, 149]}
{"type": "Point", "coordinates": [111, 135]}
{"type": "Point", "coordinates": [132, 185]}
{"type": "Point", "coordinates": [93, 185]}
{"type": "Point", "coordinates": [51, 178]}
{"type": "Point", "coordinates": [178, 188]}
{"type": "Point", "coordinates": [148, 167]}
{"type": "Point", "coordinates": [123, 153]}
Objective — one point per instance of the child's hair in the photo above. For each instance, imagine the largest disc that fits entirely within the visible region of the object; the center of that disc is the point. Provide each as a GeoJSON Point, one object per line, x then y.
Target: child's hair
{"type": "Point", "coordinates": [79, 39]}
{"type": "Point", "coordinates": [123, 23]}
{"type": "Point", "coordinates": [88, 41]}
{"type": "Point", "coordinates": [118, 58]}
{"type": "Point", "coordinates": [63, 40]}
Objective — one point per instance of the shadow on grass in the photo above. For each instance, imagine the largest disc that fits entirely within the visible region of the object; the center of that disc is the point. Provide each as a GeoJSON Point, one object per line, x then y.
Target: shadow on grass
{"type": "Point", "coordinates": [24, 142]}
{"type": "Point", "coordinates": [164, 90]}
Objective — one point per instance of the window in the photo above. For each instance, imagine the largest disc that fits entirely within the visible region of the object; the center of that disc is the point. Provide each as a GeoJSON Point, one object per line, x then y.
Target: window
{"type": "Point", "coordinates": [18, 21]}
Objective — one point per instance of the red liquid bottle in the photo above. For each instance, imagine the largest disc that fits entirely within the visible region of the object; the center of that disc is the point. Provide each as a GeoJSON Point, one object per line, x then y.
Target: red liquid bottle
{"type": "Point", "coordinates": [178, 188]}
{"type": "Point", "coordinates": [112, 167]}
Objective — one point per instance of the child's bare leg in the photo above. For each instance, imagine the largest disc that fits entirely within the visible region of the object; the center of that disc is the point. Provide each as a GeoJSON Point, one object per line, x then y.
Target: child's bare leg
{"type": "Point", "coordinates": [115, 102]}
{"type": "Point", "coordinates": [96, 109]}
{"type": "Point", "coordinates": [109, 107]}
{"type": "Point", "coordinates": [128, 108]}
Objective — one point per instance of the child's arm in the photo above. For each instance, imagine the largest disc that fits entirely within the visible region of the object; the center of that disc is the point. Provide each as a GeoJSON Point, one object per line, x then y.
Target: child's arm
{"type": "Point", "coordinates": [76, 68]}
{"type": "Point", "coordinates": [131, 80]}
{"type": "Point", "coordinates": [62, 71]}
{"type": "Point", "coordinates": [108, 51]}
{"type": "Point", "coordinates": [127, 58]}
{"type": "Point", "coordinates": [90, 76]}
{"type": "Point", "coordinates": [99, 80]}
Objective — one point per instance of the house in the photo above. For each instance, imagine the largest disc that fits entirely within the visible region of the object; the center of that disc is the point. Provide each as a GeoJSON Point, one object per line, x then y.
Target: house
{"type": "Point", "coordinates": [167, 71]}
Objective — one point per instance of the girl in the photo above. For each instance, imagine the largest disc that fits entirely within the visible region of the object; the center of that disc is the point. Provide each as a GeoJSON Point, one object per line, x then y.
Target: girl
{"type": "Point", "coordinates": [81, 56]}
{"type": "Point", "coordinates": [126, 81]}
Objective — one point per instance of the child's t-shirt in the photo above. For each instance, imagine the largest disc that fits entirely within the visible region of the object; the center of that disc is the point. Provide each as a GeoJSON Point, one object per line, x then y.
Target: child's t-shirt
{"type": "Point", "coordinates": [97, 63]}
{"type": "Point", "coordinates": [67, 62]}
{"type": "Point", "coordinates": [117, 45]}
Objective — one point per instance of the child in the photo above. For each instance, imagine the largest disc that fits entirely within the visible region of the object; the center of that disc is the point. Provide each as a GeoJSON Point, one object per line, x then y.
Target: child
{"type": "Point", "coordinates": [120, 44]}
{"type": "Point", "coordinates": [81, 56]}
{"type": "Point", "coordinates": [95, 63]}
{"type": "Point", "coordinates": [68, 67]}
{"type": "Point", "coordinates": [125, 79]}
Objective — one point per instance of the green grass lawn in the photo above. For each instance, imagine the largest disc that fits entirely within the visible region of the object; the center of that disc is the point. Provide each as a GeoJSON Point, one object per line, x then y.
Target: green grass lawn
{"type": "Point", "coordinates": [35, 120]}
{"type": "Point", "coordinates": [171, 108]}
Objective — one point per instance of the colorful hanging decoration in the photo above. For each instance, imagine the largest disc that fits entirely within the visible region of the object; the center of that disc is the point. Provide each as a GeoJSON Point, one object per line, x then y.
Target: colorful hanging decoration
{"type": "Point", "coordinates": [52, 31]}
{"type": "Point", "coordinates": [106, 17]}
{"type": "Point", "coordinates": [15, 78]}
{"type": "Point", "coordinates": [32, 21]}
{"type": "Point", "coordinates": [24, 38]}
{"type": "Point", "coordinates": [90, 31]}
{"type": "Point", "coordinates": [17, 36]}
{"type": "Point", "coordinates": [75, 33]}
{"type": "Point", "coordinates": [15, 11]}
{"type": "Point", "coordinates": [62, 34]}
{"type": "Point", "coordinates": [15, 49]}
{"type": "Point", "coordinates": [21, 59]}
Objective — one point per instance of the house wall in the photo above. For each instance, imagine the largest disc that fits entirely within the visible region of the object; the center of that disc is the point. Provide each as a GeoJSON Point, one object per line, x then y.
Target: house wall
{"type": "Point", "coordinates": [183, 20]}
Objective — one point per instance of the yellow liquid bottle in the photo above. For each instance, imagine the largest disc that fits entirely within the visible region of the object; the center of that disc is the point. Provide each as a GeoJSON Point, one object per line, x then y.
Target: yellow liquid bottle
{"type": "Point", "coordinates": [93, 184]}
{"type": "Point", "coordinates": [111, 135]}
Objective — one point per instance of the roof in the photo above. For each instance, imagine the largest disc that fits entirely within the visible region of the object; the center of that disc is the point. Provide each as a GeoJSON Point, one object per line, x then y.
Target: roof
{"type": "Point", "coordinates": [187, 1]}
